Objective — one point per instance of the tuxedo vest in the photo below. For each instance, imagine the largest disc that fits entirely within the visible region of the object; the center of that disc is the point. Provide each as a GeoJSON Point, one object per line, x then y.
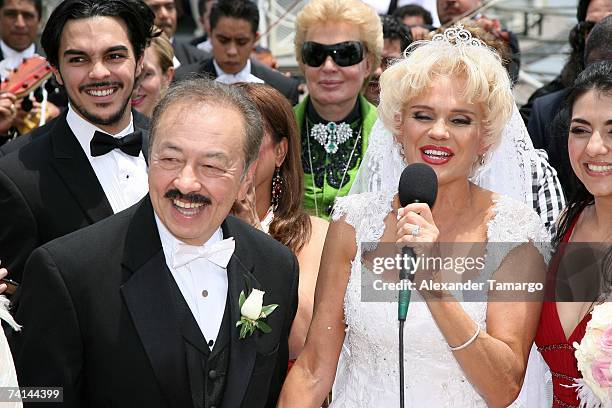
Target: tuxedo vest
{"type": "Point", "coordinates": [207, 369]}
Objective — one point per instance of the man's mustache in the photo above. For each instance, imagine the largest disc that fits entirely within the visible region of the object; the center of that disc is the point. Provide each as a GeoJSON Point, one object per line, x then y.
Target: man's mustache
{"type": "Point", "coordinates": [196, 198]}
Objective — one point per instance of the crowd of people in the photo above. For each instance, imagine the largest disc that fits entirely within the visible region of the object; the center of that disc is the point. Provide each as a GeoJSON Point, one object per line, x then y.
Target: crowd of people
{"type": "Point", "coordinates": [184, 225]}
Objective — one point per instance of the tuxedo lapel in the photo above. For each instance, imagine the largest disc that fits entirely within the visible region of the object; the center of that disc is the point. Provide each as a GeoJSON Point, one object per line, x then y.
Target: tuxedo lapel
{"type": "Point", "coordinates": [74, 169]}
{"type": "Point", "coordinates": [243, 351]}
{"type": "Point", "coordinates": [149, 297]}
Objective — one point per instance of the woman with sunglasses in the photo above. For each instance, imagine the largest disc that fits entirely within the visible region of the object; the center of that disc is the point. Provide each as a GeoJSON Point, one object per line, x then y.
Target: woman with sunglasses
{"type": "Point", "coordinates": [338, 44]}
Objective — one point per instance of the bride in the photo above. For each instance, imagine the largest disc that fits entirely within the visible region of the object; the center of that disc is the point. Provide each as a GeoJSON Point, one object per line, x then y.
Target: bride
{"type": "Point", "coordinates": [446, 104]}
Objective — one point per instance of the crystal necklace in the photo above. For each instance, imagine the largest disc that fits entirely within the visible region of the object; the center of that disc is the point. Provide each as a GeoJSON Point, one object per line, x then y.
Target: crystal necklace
{"type": "Point", "coordinates": [332, 135]}
{"type": "Point", "coordinates": [346, 166]}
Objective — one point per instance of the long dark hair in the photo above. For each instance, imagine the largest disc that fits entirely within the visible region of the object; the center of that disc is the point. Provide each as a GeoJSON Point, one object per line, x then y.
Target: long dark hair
{"type": "Point", "coordinates": [291, 225]}
{"type": "Point", "coordinates": [598, 77]}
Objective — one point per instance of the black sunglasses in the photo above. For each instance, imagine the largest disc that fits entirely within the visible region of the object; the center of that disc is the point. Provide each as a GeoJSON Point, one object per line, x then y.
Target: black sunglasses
{"type": "Point", "coordinates": [344, 54]}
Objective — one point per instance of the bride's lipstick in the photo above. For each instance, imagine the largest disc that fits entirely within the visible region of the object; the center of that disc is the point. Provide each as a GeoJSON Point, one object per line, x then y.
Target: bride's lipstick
{"type": "Point", "coordinates": [432, 154]}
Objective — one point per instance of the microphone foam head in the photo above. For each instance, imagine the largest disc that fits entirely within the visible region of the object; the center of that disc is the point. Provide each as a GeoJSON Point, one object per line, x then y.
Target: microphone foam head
{"type": "Point", "coordinates": [418, 183]}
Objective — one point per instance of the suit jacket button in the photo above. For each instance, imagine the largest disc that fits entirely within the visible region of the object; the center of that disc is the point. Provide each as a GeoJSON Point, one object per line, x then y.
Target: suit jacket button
{"type": "Point", "coordinates": [212, 374]}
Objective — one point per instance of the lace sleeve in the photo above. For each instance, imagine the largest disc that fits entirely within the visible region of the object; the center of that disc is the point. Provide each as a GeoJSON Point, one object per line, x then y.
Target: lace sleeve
{"type": "Point", "coordinates": [366, 213]}
{"type": "Point", "coordinates": [516, 222]}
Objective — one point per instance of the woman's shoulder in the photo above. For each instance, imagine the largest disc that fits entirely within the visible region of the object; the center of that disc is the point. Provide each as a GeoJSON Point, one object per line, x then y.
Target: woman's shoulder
{"type": "Point", "coordinates": [514, 221]}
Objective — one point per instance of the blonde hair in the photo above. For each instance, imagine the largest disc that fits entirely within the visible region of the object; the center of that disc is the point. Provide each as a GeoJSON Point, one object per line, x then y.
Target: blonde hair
{"type": "Point", "coordinates": [354, 12]}
{"type": "Point", "coordinates": [164, 51]}
{"type": "Point", "coordinates": [486, 82]}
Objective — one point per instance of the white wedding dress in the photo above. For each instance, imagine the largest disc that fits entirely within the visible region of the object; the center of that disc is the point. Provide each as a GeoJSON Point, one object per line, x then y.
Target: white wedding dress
{"type": "Point", "coordinates": [367, 374]}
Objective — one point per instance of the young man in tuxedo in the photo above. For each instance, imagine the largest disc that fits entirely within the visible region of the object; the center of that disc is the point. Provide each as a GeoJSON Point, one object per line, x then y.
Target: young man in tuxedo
{"type": "Point", "coordinates": [87, 164]}
{"type": "Point", "coordinates": [234, 25]}
{"type": "Point", "coordinates": [166, 19]}
{"type": "Point", "coordinates": [140, 309]}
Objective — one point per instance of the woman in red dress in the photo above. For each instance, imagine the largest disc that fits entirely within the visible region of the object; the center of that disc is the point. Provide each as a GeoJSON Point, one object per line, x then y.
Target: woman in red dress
{"type": "Point", "coordinates": [587, 218]}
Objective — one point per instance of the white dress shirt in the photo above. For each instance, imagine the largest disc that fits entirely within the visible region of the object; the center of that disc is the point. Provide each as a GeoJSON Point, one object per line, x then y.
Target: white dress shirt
{"type": "Point", "coordinates": [243, 76]}
{"type": "Point", "coordinates": [12, 58]}
{"type": "Point", "coordinates": [122, 177]}
{"type": "Point", "coordinates": [202, 283]}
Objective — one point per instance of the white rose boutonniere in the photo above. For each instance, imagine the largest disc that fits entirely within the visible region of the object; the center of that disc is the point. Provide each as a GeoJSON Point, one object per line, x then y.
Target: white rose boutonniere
{"type": "Point", "coordinates": [252, 311]}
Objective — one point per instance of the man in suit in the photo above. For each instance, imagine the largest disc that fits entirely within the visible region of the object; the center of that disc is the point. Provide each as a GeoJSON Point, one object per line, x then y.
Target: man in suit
{"type": "Point", "coordinates": [87, 164]}
{"type": "Point", "coordinates": [233, 25]}
{"type": "Point", "coordinates": [140, 309]}
{"type": "Point", "coordinates": [166, 18]}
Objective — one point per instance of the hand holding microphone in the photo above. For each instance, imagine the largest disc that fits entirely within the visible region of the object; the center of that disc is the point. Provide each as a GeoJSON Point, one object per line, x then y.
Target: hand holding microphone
{"type": "Point", "coordinates": [418, 188]}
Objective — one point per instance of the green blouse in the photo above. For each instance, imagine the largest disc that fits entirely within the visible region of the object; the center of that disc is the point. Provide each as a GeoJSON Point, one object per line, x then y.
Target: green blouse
{"type": "Point", "coordinates": [329, 178]}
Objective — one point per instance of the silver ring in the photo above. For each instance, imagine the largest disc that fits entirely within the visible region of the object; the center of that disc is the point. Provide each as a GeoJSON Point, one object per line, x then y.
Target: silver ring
{"type": "Point", "coordinates": [415, 231]}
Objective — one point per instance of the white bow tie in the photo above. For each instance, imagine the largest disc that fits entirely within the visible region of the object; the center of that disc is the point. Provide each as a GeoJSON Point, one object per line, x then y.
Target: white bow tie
{"type": "Point", "coordinates": [218, 253]}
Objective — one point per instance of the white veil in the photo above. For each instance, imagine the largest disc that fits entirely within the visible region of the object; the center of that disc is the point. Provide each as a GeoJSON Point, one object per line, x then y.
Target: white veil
{"type": "Point", "coordinates": [506, 170]}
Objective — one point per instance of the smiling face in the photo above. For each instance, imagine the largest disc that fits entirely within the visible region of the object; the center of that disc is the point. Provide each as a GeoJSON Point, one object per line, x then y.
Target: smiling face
{"type": "Point", "coordinates": [330, 84]}
{"type": "Point", "coordinates": [19, 22]}
{"type": "Point", "coordinates": [152, 83]}
{"type": "Point", "coordinates": [590, 142]}
{"type": "Point", "coordinates": [98, 75]}
{"type": "Point", "coordinates": [232, 41]}
{"type": "Point", "coordinates": [442, 129]}
{"type": "Point", "coordinates": [196, 168]}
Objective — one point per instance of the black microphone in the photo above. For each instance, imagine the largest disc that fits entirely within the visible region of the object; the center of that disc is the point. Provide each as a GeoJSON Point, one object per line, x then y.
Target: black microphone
{"type": "Point", "coordinates": [418, 184]}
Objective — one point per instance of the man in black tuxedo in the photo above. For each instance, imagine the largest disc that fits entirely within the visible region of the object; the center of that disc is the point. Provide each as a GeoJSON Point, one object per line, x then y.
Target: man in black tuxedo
{"type": "Point", "coordinates": [166, 19]}
{"type": "Point", "coordinates": [68, 174]}
{"type": "Point", "coordinates": [233, 25]}
{"type": "Point", "coordinates": [140, 309]}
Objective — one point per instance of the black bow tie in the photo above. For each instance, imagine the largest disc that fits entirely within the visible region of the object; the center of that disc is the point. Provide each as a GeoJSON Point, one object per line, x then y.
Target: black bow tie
{"type": "Point", "coordinates": [102, 143]}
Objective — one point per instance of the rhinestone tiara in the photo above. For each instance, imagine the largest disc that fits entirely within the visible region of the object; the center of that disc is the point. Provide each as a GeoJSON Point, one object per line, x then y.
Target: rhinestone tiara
{"type": "Point", "coordinates": [458, 36]}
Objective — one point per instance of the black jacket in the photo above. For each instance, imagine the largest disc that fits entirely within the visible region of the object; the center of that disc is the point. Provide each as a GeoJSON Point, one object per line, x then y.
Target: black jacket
{"type": "Point", "coordinates": [48, 189]}
{"type": "Point", "coordinates": [99, 317]}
